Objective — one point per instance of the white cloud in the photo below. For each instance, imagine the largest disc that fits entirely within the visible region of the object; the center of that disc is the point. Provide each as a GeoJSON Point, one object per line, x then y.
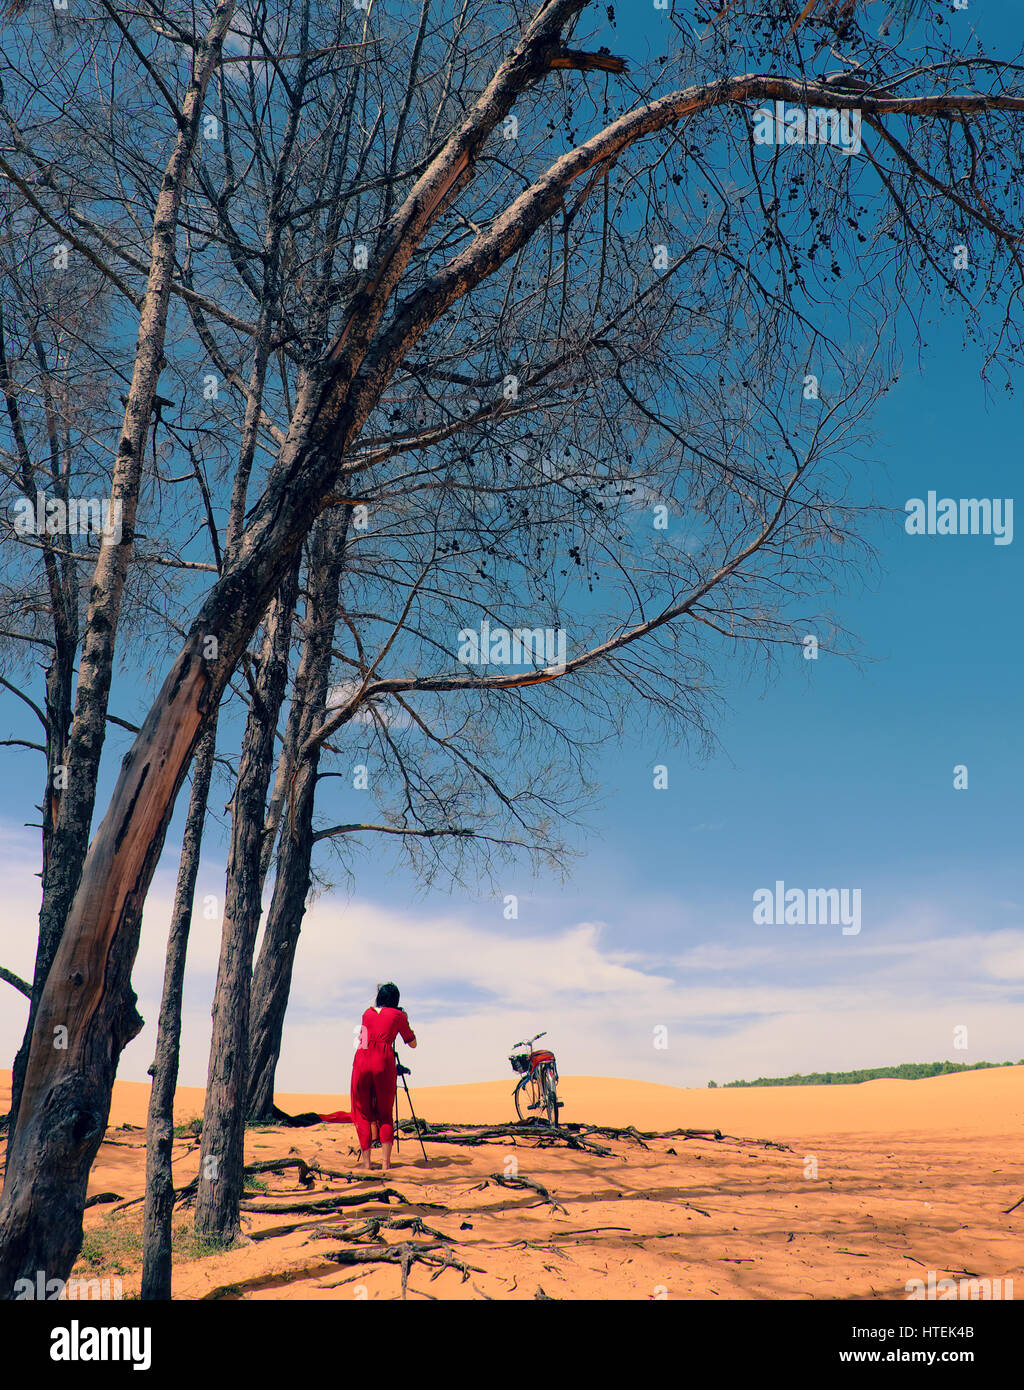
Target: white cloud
{"type": "Point", "coordinates": [767, 1005]}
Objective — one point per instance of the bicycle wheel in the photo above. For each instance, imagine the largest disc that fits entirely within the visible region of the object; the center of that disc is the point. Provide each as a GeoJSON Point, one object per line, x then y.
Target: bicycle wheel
{"type": "Point", "coordinates": [551, 1103]}
{"type": "Point", "coordinates": [525, 1096]}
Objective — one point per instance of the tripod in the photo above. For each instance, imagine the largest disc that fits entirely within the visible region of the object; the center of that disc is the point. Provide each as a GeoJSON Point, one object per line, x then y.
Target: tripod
{"type": "Point", "coordinates": [403, 1072]}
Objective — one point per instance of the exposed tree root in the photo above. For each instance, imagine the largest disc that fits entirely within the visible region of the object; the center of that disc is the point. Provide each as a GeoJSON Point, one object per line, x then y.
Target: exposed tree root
{"type": "Point", "coordinates": [272, 1232]}
{"type": "Point", "coordinates": [539, 1130]}
{"type": "Point", "coordinates": [523, 1183]}
{"type": "Point", "coordinates": [574, 1136]}
{"type": "Point", "coordinates": [266, 1281]}
{"type": "Point", "coordinates": [571, 1134]}
{"type": "Point", "coordinates": [405, 1255]}
{"type": "Point", "coordinates": [343, 1199]}
{"type": "Point", "coordinates": [373, 1226]}
{"type": "Point", "coordinates": [308, 1173]}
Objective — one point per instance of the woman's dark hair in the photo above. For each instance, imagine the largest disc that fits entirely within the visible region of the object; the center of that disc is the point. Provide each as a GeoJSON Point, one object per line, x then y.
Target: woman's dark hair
{"type": "Point", "coordinates": [388, 996]}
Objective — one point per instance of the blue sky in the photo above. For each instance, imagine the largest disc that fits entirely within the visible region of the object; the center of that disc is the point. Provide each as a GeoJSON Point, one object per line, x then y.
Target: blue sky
{"type": "Point", "coordinates": [832, 776]}
{"type": "Point", "coordinates": [835, 774]}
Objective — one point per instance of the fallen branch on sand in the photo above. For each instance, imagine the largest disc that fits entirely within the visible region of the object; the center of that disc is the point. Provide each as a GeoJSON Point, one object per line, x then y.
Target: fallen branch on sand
{"type": "Point", "coordinates": [593, 1230]}
{"type": "Point", "coordinates": [134, 1202]}
{"type": "Point", "coordinates": [545, 1134]}
{"type": "Point", "coordinates": [266, 1281]}
{"type": "Point", "coordinates": [630, 1132]}
{"type": "Point", "coordinates": [308, 1173]}
{"type": "Point", "coordinates": [272, 1232]}
{"type": "Point", "coordinates": [342, 1199]}
{"type": "Point", "coordinates": [717, 1135]}
{"type": "Point", "coordinates": [405, 1255]}
{"type": "Point", "coordinates": [373, 1226]}
{"type": "Point", "coordinates": [574, 1136]}
{"type": "Point", "coordinates": [522, 1183]}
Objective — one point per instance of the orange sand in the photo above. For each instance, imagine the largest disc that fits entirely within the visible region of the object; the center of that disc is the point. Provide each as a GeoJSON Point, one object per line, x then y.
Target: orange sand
{"type": "Point", "coordinates": [911, 1176]}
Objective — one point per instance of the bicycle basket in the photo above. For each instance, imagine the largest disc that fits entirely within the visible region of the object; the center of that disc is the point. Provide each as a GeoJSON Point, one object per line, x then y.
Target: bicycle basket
{"type": "Point", "coordinates": [520, 1061]}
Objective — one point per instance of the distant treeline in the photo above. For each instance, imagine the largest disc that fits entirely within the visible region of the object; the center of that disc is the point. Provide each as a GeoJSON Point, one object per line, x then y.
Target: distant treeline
{"type": "Point", "coordinates": [906, 1071]}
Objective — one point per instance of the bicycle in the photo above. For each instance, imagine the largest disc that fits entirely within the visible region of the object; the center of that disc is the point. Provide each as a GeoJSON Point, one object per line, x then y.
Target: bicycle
{"type": "Point", "coordinates": [537, 1088]}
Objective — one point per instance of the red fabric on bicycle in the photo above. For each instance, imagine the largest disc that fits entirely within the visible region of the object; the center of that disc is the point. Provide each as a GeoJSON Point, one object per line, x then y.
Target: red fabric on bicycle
{"type": "Point", "coordinates": [537, 1057]}
{"type": "Point", "coordinates": [374, 1078]}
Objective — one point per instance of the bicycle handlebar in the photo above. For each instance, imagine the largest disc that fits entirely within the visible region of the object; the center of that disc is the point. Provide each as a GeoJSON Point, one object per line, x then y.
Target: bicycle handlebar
{"type": "Point", "coordinates": [528, 1041]}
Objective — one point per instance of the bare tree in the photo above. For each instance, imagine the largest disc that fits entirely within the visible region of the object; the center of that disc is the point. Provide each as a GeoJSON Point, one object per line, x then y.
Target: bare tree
{"type": "Point", "coordinates": [73, 811]}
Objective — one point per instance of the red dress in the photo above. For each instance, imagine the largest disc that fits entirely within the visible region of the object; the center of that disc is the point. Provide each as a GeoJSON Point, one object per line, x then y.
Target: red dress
{"type": "Point", "coordinates": [374, 1078]}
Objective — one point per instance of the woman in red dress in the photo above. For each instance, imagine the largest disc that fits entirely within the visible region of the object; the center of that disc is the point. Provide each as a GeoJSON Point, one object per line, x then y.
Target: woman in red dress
{"type": "Point", "coordinates": [374, 1078]}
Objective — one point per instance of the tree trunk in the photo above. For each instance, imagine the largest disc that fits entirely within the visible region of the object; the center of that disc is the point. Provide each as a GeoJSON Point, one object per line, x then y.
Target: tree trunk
{"type": "Point", "coordinates": [62, 586]}
{"type": "Point", "coordinates": [156, 1247]}
{"type": "Point", "coordinates": [272, 977]}
{"type": "Point", "coordinates": [87, 1012]}
{"type": "Point", "coordinates": [221, 1154]}
{"type": "Point", "coordinates": [59, 685]}
{"type": "Point", "coordinates": [69, 837]}
{"type": "Point", "coordinates": [87, 999]}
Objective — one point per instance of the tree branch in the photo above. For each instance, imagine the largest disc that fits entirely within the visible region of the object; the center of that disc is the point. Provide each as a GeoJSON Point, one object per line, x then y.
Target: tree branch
{"type": "Point", "coordinates": [22, 986]}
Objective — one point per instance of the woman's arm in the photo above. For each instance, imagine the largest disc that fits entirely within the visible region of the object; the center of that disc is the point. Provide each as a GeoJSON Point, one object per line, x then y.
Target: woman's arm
{"type": "Point", "coordinates": [408, 1036]}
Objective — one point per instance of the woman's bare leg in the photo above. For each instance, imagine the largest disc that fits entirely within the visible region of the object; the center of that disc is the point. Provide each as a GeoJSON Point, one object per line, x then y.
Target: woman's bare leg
{"type": "Point", "coordinates": [386, 1165]}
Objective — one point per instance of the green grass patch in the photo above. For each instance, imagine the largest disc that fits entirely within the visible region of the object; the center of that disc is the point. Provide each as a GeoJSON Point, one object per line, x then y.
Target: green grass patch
{"type": "Point", "coordinates": [115, 1246]}
{"type": "Point", "coordinates": [906, 1071]}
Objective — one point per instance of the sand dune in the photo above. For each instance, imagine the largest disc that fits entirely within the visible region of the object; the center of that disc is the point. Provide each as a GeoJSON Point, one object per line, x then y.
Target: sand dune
{"type": "Point", "coordinates": [863, 1188]}
{"type": "Point", "coordinates": [982, 1102]}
